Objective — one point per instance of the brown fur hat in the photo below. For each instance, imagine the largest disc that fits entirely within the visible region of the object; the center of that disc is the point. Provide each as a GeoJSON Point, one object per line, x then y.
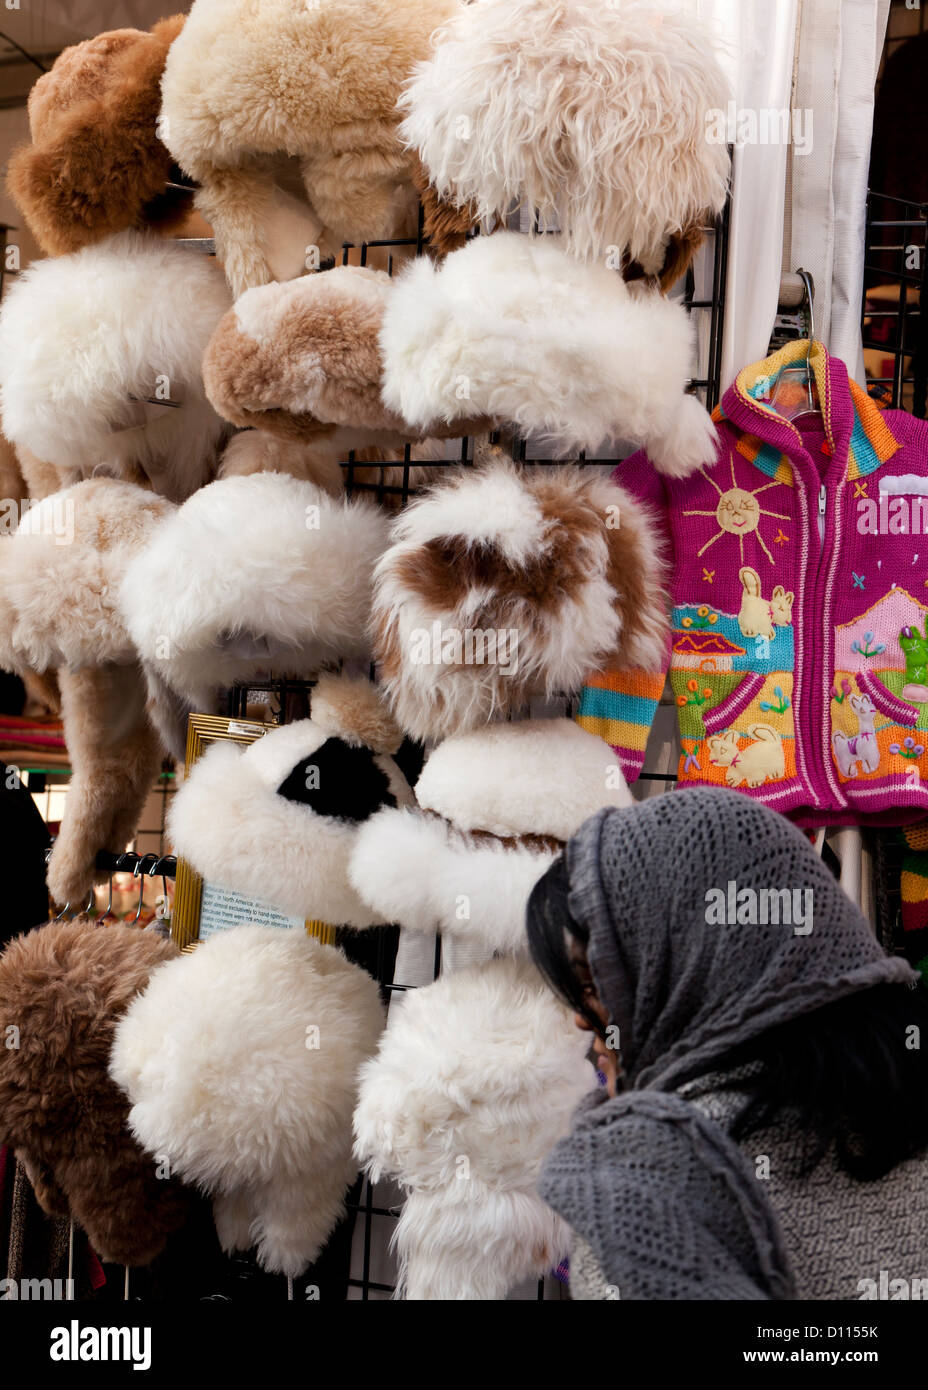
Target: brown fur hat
{"type": "Point", "coordinates": [96, 164]}
{"type": "Point", "coordinates": [63, 987]}
{"type": "Point", "coordinates": [302, 360]}
{"type": "Point", "coordinates": [501, 585]}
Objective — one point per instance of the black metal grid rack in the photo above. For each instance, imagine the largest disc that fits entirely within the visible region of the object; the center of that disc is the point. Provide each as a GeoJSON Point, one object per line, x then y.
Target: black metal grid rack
{"type": "Point", "coordinates": [895, 307]}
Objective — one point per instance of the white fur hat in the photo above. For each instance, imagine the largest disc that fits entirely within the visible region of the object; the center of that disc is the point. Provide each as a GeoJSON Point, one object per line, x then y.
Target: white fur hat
{"type": "Point", "coordinates": [499, 804]}
{"type": "Point", "coordinates": [60, 575]}
{"type": "Point", "coordinates": [241, 1062]}
{"type": "Point", "coordinates": [85, 339]}
{"type": "Point", "coordinates": [502, 585]}
{"type": "Point", "coordinates": [252, 575]}
{"type": "Point", "coordinates": [475, 1081]}
{"type": "Point", "coordinates": [249, 80]}
{"type": "Point", "coordinates": [511, 328]}
{"type": "Point", "coordinates": [277, 822]}
{"type": "Point", "coordinates": [593, 113]}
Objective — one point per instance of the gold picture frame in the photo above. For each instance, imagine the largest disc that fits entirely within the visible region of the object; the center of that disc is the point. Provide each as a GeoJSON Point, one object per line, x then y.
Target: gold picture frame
{"type": "Point", "coordinates": [203, 730]}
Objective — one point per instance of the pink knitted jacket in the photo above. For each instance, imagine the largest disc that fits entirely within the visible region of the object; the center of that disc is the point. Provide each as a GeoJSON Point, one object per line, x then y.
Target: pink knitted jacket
{"type": "Point", "coordinates": [798, 656]}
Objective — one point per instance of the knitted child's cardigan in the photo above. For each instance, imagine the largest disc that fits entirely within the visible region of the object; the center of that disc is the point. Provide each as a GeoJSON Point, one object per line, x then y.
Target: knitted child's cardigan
{"type": "Point", "coordinates": [798, 657]}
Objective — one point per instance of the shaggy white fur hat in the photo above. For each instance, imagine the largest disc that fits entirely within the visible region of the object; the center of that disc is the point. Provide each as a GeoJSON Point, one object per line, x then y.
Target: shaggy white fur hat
{"type": "Point", "coordinates": [248, 80]}
{"type": "Point", "coordinates": [592, 113]}
{"type": "Point", "coordinates": [241, 1062]}
{"type": "Point", "coordinates": [60, 575]}
{"type": "Point", "coordinates": [85, 339]}
{"type": "Point", "coordinates": [252, 575]}
{"type": "Point", "coordinates": [511, 328]}
{"type": "Point", "coordinates": [502, 585]}
{"type": "Point", "coordinates": [277, 822]}
{"type": "Point", "coordinates": [475, 1081]}
{"type": "Point", "coordinates": [499, 805]}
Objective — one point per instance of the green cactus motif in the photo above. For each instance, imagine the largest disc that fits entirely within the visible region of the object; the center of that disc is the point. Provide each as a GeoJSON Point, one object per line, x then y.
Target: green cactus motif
{"type": "Point", "coordinates": [915, 650]}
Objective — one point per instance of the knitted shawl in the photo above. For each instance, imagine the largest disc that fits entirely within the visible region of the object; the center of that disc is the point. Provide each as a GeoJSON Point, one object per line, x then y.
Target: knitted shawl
{"type": "Point", "coordinates": [711, 920]}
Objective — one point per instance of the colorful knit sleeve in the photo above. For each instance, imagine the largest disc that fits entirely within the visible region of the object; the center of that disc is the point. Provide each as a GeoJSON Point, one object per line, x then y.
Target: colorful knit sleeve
{"type": "Point", "coordinates": [620, 705]}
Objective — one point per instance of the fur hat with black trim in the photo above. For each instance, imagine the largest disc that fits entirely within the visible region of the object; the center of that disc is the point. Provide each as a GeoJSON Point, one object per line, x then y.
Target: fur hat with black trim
{"type": "Point", "coordinates": [302, 360]}
{"type": "Point", "coordinates": [89, 340]}
{"type": "Point", "coordinates": [594, 114]}
{"type": "Point", "coordinates": [60, 574]}
{"type": "Point", "coordinates": [96, 164]}
{"type": "Point", "coordinates": [512, 328]}
{"type": "Point", "coordinates": [241, 1062]}
{"type": "Point", "coordinates": [62, 988]}
{"type": "Point", "coordinates": [496, 807]}
{"type": "Point", "coordinates": [501, 585]}
{"type": "Point", "coordinates": [252, 576]}
{"type": "Point", "coordinates": [247, 81]}
{"type": "Point", "coordinates": [277, 822]}
{"type": "Point", "coordinates": [475, 1081]}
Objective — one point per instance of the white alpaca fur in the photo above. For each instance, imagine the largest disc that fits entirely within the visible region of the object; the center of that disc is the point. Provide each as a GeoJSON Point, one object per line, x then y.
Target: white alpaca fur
{"type": "Point", "coordinates": [60, 575]}
{"type": "Point", "coordinates": [253, 574]}
{"type": "Point", "coordinates": [593, 113]}
{"type": "Point", "coordinates": [249, 80]}
{"type": "Point", "coordinates": [538, 777]}
{"type": "Point", "coordinates": [513, 329]}
{"type": "Point", "coordinates": [81, 335]}
{"type": "Point", "coordinates": [519, 523]}
{"type": "Point", "coordinates": [230, 823]}
{"type": "Point", "coordinates": [241, 1063]}
{"type": "Point", "coordinates": [475, 1081]}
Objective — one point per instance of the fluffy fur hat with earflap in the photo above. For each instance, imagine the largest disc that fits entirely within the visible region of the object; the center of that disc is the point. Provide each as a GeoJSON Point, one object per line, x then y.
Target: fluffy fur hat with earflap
{"type": "Point", "coordinates": [60, 575]}
{"type": "Point", "coordinates": [475, 1081]}
{"type": "Point", "coordinates": [256, 575]}
{"type": "Point", "coordinates": [277, 822]}
{"type": "Point", "coordinates": [302, 360]}
{"type": "Point", "coordinates": [87, 339]}
{"type": "Point", "coordinates": [63, 987]}
{"type": "Point", "coordinates": [592, 113]}
{"type": "Point", "coordinates": [558, 568]}
{"type": "Point", "coordinates": [241, 1062]}
{"type": "Point", "coordinates": [512, 328]}
{"type": "Point", "coordinates": [96, 164]}
{"type": "Point", "coordinates": [247, 80]}
{"type": "Point", "coordinates": [495, 808]}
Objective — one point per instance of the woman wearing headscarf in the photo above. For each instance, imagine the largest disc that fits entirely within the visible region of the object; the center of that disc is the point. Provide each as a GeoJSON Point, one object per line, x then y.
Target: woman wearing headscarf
{"type": "Point", "coordinates": [764, 1132]}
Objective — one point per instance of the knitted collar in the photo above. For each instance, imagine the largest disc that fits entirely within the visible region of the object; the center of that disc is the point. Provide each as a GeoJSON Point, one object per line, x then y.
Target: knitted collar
{"type": "Point", "coordinates": [748, 931]}
{"type": "Point", "coordinates": [855, 427]}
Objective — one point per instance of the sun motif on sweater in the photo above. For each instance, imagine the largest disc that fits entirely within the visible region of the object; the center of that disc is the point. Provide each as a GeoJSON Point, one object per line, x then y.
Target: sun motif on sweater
{"type": "Point", "coordinates": [738, 512]}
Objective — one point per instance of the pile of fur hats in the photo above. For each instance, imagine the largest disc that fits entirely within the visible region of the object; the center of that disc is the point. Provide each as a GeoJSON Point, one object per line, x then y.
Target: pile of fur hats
{"type": "Point", "coordinates": [63, 988]}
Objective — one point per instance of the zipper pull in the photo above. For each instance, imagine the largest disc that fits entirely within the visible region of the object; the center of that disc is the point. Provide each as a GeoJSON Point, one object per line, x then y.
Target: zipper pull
{"type": "Point", "coordinates": [821, 500]}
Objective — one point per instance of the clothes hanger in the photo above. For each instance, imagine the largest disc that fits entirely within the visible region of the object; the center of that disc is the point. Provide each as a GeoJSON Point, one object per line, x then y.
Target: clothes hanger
{"type": "Point", "coordinates": [797, 371]}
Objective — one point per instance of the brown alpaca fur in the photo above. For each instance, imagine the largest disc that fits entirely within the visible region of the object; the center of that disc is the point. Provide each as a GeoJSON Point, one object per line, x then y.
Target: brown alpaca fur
{"type": "Point", "coordinates": [445, 226]}
{"type": "Point", "coordinates": [64, 986]}
{"type": "Point", "coordinates": [681, 249]}
{"type": "Point", "coordinates": [115, 755]}
{"type": "Point", "coordinates": [96, 165]}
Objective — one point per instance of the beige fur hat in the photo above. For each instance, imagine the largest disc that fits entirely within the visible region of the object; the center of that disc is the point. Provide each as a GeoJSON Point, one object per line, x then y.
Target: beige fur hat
{"type": "Point", "coordinates": [277, 822]}
{"type": "Point", "coordinates": [250, 79]}
{"type": "Point", "coordinates": [502, 585]}
{"type": "Point", "coordinates": [257, 575]}
{"type": "Point", "coordinates": [95, 164]}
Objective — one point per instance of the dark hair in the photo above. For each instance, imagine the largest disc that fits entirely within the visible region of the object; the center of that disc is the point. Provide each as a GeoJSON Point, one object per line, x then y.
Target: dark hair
{"type": "Point", "coordinates": [549, 923]}
{"type": "Point", "coordinates": [851, 1073]}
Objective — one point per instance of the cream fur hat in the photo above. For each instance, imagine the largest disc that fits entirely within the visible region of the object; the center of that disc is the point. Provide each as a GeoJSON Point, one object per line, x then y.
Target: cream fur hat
{"type": "Point", "coordinates": [277, 822]}
{"type": "Point", "coordinates": [86, 339]}
{"type": "Point", "coordinates": [241, 1064]}
{"type": "Point", "coordinates": [496, 807]}
{"type": "Point", "coordinates": [549, 574]}
{"type": "Point", "coordinates": [593, 113]}
{"type": "Point", "coordinates": [256, 575]}
{"type": "Point", "coordinates": [248, 80]}
{"type": "Point", "coordinates": [476, 1079]}
{"type": "Point", "coordinates": [512, 328]}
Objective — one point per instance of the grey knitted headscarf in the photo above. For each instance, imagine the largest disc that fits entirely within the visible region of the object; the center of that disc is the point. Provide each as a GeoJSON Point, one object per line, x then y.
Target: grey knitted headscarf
{"type": "Point", "coordinates": [667, 1201]}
